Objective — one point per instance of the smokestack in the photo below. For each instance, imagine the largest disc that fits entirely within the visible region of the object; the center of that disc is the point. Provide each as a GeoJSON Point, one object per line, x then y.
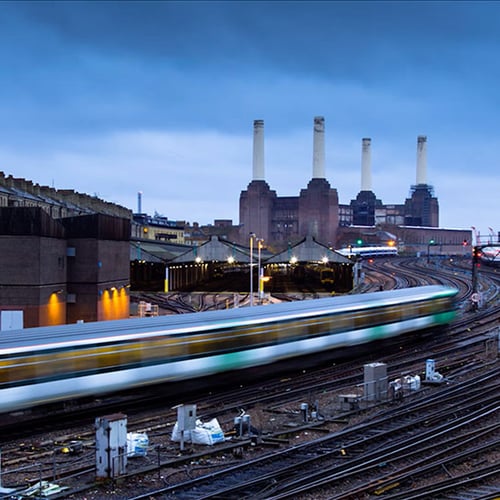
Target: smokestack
{"type": "Point", "coordinates": [139, 202]}
{"type": "Point", "coordinates": [422, 159]}
{"type": "Point", "coordinates": [319, 148]}
{"type": "Point", "coordinates": [366, 163]}
{"type": "Point", "coordinates": [258, 150]}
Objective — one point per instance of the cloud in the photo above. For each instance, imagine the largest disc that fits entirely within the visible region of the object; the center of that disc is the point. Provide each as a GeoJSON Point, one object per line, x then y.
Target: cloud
{"type": "Point", "coordinates": [183, 176]}
{"type": "Point", "coordinates": [199, 176]}
{"type": "Point", "coordinates": [115, 97]}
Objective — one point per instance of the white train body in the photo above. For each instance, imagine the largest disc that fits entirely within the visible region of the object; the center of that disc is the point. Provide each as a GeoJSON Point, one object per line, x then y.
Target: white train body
{"type": "Point", "coordinates": [48, 364]}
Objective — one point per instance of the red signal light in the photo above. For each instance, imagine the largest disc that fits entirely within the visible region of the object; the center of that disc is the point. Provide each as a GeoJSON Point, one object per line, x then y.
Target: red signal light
{"type": "Point", "coordinates": [476, 255]}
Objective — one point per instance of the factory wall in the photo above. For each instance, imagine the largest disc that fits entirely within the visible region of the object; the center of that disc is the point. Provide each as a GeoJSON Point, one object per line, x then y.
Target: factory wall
{"type": "Point", "coordinates": [257, 205]}
{"type": "Point", "coordinates": [65, 270]}
{"type": "Point", "coordinates": [98, 267]}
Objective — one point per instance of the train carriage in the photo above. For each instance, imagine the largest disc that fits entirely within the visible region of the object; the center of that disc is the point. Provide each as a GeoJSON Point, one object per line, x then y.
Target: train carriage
{"type": "Point", "coordinates": [47, 364]}
{"type": "Point", "coordinates": [369, 252]}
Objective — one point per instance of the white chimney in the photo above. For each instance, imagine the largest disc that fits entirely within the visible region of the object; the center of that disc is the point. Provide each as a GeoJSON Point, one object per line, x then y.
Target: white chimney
{"type": "Point", "coordinates": [421, 159]}
{"type": "Point", "coordinates": [366, 162]}
{"type": "Point", "coordinates": [258, 150]}
{"type": "Point", "coordinates": [319, 148]}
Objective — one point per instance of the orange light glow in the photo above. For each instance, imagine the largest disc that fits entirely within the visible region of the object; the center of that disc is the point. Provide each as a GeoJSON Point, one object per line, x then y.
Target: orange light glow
{"type": "Point", "coordinates": [115, 304]}
{"type": "Point", "coordinates": [56, 310]}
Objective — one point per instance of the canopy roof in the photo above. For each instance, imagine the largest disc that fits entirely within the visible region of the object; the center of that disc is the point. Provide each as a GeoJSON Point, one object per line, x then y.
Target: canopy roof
{"type": "Point", "coordinates": [309, 250]}
{"type": "Point", "coordinates": [220, 250]}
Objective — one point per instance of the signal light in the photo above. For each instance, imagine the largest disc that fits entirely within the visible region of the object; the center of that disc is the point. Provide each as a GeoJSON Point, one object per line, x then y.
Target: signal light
{"type": "Point", "coordinates": [359, 241]}
{"type": "Point", "coordinates": [476, 255]}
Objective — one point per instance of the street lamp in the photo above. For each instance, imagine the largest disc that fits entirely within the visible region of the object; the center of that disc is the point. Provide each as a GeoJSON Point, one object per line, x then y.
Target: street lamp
{"type": "Point", "coordinates": [252, 236]}
{"type": "Point", "coordinates": [259, 246]}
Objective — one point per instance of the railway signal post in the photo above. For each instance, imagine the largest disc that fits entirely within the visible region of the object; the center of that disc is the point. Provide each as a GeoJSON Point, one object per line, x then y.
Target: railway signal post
{"type": "Point", "coordinates": [476, 259]}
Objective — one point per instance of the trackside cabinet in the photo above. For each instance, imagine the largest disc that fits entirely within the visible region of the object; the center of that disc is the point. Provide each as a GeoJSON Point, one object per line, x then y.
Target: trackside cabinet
{"type": "Point", "coordinates": [111, 446]}
{"type": "Point", "coordinates": [375, 381]}
{"type": "Point", "coordinates": [430, 369]}
{"type": "Point", "coordinates": [186, 419]}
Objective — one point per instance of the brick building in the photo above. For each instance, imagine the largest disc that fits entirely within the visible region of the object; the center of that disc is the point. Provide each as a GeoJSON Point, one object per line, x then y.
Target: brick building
{"type": "Point", "coordinates": [65, 257]}
{"type": "Point", "coordinates": [316, 212]}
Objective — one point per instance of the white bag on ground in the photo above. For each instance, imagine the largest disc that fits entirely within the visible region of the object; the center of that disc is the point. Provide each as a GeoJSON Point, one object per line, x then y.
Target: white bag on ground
{"type": "Point", "coordinates": [208, 433]}
{"type": "Point", "coordinates": [176, 434]}
{"type": "Point", "coordinates": [137, 444]}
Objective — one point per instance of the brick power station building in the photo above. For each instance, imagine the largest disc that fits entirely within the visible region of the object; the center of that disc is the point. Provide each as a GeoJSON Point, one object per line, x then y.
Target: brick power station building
{"type": "Point", "coordinates": [316, 212]}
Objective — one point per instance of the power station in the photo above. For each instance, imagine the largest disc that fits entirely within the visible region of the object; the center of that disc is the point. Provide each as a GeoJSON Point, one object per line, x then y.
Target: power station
{"type": "Point", "coordinates": [316, 212]}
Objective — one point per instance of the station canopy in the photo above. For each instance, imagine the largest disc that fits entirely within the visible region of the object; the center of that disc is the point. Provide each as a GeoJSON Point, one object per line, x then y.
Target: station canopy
{"type": "Point", "coordinates": [215, 250]}
{"type": "Point", "coordinates": [309, 250]}
{"type": "Point", "coordinates": [220, 250]}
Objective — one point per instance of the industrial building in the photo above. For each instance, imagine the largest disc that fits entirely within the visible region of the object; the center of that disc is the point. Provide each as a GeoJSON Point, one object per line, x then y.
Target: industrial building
{"type": "Point", "coordinates": [65, 256]}
{"type": "Point", "coordinates": [316, 212]}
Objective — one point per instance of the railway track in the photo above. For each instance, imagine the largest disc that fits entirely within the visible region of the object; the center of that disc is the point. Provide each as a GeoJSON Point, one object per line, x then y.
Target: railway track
{"type": "Point", "coordinates": [280, 400]}
{"type": "Point", "coordinates": [275, 404]}
{"type": "Point", "coordinates": [345, 456]}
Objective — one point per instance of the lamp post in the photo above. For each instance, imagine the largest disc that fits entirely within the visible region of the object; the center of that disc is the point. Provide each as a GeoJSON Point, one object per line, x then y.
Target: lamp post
{"type": "Point", "coordinates": [252, 236]}
{"type": "Point", "coordinates": [165, 287]}
{"type": "Point", "coordinates": [259, 246]}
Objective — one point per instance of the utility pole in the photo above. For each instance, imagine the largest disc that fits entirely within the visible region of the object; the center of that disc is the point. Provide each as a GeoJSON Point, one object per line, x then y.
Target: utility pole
{"type": "Point", "coordinates": [476, 255]}
{"type": "Point", "coordinates": [476, 260]}
{"type": "Point", "coordinates": [252, 236]}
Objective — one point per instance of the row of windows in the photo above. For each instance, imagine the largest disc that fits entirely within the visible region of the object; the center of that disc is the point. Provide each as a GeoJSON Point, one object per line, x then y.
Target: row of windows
{"type": "Point", "coordinates": [54, 210]}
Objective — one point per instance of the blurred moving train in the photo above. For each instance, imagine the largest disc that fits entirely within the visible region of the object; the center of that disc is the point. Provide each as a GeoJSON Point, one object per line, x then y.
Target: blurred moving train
{"type": "Point", "coordinates": [490, 255]}
{"type": "Point", "coordinates": [48, 364]}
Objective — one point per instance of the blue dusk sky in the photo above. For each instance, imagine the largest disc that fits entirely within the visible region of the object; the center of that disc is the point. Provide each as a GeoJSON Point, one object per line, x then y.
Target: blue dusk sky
{"type": "Point", "coordinates": [113, 98]}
